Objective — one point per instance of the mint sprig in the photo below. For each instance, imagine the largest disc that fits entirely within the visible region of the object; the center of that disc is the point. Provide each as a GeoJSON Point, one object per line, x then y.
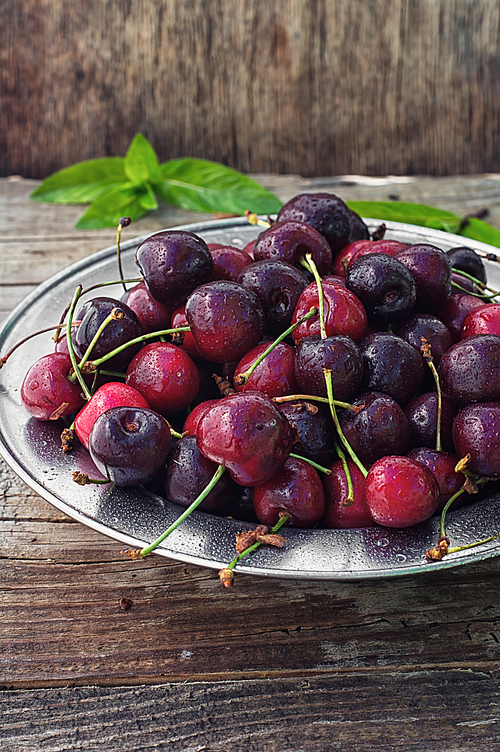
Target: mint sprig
{"type": "Point", "coordinates": [129, 186]}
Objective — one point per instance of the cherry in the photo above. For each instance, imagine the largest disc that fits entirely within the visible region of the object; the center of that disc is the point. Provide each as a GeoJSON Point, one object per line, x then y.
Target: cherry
{"type": "Point", "coordinates": [111, 394]}
{"type": "Point", "coordinates": [470, 370]}
{"type": "Point", "coordinates": [400, 492]}
{"type": "Point", "coordinates": [296, 490]}
{"type": "Point", "coordinates": [361, 247]}
{"type": "Point", "coordinates": [274, 376]}
{"type": "Point", "coordinates": [247, 434]}
{"type": "Point", "coordinates": [391, 366]}
{"type": "Point", "coordinates": [467, 260]}
{"type": "Point", "coordinates": [431, 269]}
{"type": "Point", "coordinates": [229, 262]}
{"type": "Point", "coordinates": [430, 328]}
{"type": "Point", "coordinates": [46, 391]}
{"type": "Point", "coordinates": [384, 285]}
{"type": "Point", "coordinates": [188, 342]}
{"type": "Point", "coordinates": [379, 428]}
{"type": "Point", "coordinates": [278, 286]}
{"type": "Point", "coordinates": [173, 263]}
{"type": "Point", "coordinates": [290, 241]}
{"type": "Point", "coordinates": [442, 466]}
{"type": "Point", "coordinates": [129, 444]}
{"type": "Point", "coordinates": [91, 315]}
{"type": "Point", "coordinates": [344, 313]}
{"type": "Point", "coordinates": [327, 213]}
{"type": "Point", "coordinates": [482, 320]}
{"type": "Point", "coordinates": [454, 312]}
{"type": "Point", "coordinates": [189, 472]}
{"type": "Point", "coordinates": [475, 433]}
{"type": "Point", "coordinates": [340, 354]}
{"type": "Point", "coordinates": [314, 426]}
{"type": "Point", "coordinates": [192, 420]}
{"type": "Point", "coordinates": [422, 414]}
{"type": "Point", "coordinates": [340, 511]}
{"type": "Point", "coordinates": [359, 231]}
{"type": "Point", "coordinates": [152, 314]}
{"type": "Point", "coordinates": [466, 284]}
{"type": "Point", "coordinates": [226, 320]}
{"type": "Point", "coordinates": [165, 376]}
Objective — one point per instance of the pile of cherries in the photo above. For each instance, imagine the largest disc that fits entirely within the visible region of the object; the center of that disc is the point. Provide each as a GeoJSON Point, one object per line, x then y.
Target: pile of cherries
{"type": "Point", "coordinates": [338, 379]}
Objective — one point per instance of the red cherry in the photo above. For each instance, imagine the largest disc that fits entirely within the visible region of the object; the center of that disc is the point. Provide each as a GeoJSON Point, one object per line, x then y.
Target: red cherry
{"type": "Point", "coordinates": [338, 513]}
{"type": "Point", "coordinates": [112, 394]}
{"type": "Point", "coordinates": [152, 314]}
{"type": "Point", "coordinates": [482, 320]}
{"type": "Point", "coordinates": [46, 392]}
{"type": "Point", "coordinates": [248, 434]}
{"type": "Point", "coordinates": [274, 376]}
{"type": "Point", "coordinates": [344, 313]}
{"type": "Point", "coordinates": [194, 417]}
{"type": "Point", "coordinates": [400, 492]}
{"type": "Point", "coordinates": [165, 376]}
{"type": "Point", "coordinates": [229, 262]}
{"type": "Point", "coordinates": [295, 490]}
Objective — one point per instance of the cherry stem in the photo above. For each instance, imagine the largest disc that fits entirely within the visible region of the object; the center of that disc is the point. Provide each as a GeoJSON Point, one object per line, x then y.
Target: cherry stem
{"type": "Point", "coordinates": [148, 549]}
{"type": "Point", "coordinates": [350, 488]}
{"type": "Point", "coordinates": [118, 251]}
{"type": "Point", "coordinates": [349, 449]}
{"type": "Point", "coordinates": [316, 466]}
{"type": "Point", "coordinates": [473, 545]}
{"type": "Point", "coordinates": [425, 349]}
{"type": "Point", "coordinates": [284, 517]}
{"type": "Point", "coordinates": [253, 219]}
{"type": "Point", "coordinates": [482, 296]}
{"type": "Point", "coordinates": [309, 264]}
{"type": "Point", "coordinates": [242, 378]}
{"type": "Point", "coordinates": [4, 359]}
{"type": "Point", "coordinates": [478, 282]}
{"type": "Point", "coordinates": [448, 504]}
{"type": "Point", "coordinates": [315, 398]}
{"type": "Point", "coordinates": [93, 365]}
{"type": "Point", "coordinates": [116, 314]}
{"type": "Point", "coordinates": [77, 373]}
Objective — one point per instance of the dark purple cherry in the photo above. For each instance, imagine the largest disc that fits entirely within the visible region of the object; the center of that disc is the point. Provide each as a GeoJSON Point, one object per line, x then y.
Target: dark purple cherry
{"type": "Point", "coordinates": [422, 415]}
{"type": "Point", "coordinates": [470, 370]}
{"type": "Point", "coordinates": [173, 263]}
{"type": "Point", "coordinates": [339, 512]}
{"type": "Point", "coordinates": [432, 329]}
{"type": "Point", "coordinates": [278, 285]}
{"type": "Point", "coordinates": [296, 490]}
{"type": "Point", "coordinates": [290, 241]}
{"type": "Point", "coordinates": [431, 269]}
{"type": "Point", "coordinates": [338, 353]}
{"type": "Point", "coordinates": [152, 314]}
{"type": "Point", "coordinates": [475, 432]}
{"type": "Point", "coordinates": [129, 444]}
{"type": "Point", "coordinates": [467, 260]}
{"type": "Point", "coordinates": [359, 231]}
{"type": "Point", "coordinates": [455, 311]}
{"type": "Point", "coordinates": [226, 320]}
{"type": "Point", "coordinates": [384, 285]}
{"type": "Point", "coordinates": [442, 466]}
{"type": "Point", "coordinates": [188, 474]}
{"type": "Point", "coordinates": [379, 428]}
{"type": "Point", "coordinates": [91, 315]}
{"type": "Point", "coordinates": [314, 426]}
{"type": "Point", "coordinates": [327, 213]}
{"type": "Point", "coordinates": [391, 366]}
{"type": "Point", "coordinates": [229, 262]}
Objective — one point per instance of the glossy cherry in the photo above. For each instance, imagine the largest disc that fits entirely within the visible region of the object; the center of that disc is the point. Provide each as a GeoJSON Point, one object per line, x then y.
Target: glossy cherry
{"type": "Point", "coordinates": [340, 354]}
{"type": "Point", "coordinates": [296, 490]}
{"type": "Point", "coordinates": [341, 513]}
{"type": "Point", "coordinates": [475, 432]}
{"type": "Point", "coordinates": [46, 391]}
{"type": "Point", "coordinates": [470, 370]}
{"type": "Point", "coordinates": [111, 394]}
{"type": "Point", "coordinates": [152, 314]}
{"type": "Point", "coordinates": [290, 241]}
{"type": "Point", "coordinates": [344, 313]}
{"type": "Point", "coordinates": [327, 213]}
{"type": "Point", "coordinates": [274, 376]}
{"type": "Point", "coordinates": [391, 366]}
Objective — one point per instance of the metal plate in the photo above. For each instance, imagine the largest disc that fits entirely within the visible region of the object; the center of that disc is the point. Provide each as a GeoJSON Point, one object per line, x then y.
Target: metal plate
{"type": "Point", "coordinates": [136, 518]}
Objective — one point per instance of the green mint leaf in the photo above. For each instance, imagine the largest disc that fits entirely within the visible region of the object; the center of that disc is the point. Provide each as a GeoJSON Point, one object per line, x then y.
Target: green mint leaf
{"type": "Point", "coordinates": [123, 201]}
{"type": "Point", "coordinates": [476, 229]}
{"type": "Point", "coordinates": [201, 185]}
{"type": "Point", "coordinates": [81, 183]}
{"type": "Point", "coordinates": [148, 199]}
{"type": "Point", "coordinates": [141, 162]}
{"type": "Point", "coordinates": [412, 214]}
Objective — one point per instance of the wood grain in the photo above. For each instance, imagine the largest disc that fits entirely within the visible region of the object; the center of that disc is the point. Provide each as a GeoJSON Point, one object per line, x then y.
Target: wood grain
{"type": "Point", "coordinates": [309, 88]}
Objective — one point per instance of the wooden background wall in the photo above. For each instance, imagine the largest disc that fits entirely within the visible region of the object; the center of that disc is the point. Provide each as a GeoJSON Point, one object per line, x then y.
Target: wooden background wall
{"type": "Point", "coordinates": [314, 87]}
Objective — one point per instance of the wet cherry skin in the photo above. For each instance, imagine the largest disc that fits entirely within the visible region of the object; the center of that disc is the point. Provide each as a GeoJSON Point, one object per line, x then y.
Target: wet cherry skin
{"type": "Point", "coordinates": [475, 431]}
{"type": "Point", "coordinates": [274, 376]}
{"type": "Point", "coordinates": [327, 213]}
{"type": "Point", "coordinates": [340, 354]}
{"type": "Point", "coordinates": [400, 492]}
{"type": "Point", "coordinates": [152, 314]}
{"type": "Point", "coordinates": [442, 466]}
{"type": "Point", "coordinates": [314, 426]}
{"type": "Point", "coordinates": [297, 490]}
{"type": "Point", "coordinates": [229, 262]}
{"type": "Point", "coordinates": [46, 391]}
{"type": "Point", "coordinates": [111, 394]}
{"type": "Point", "coordinates": [454, 312]}
{"type": "Point", "coordinates": [339, 514]}
{"type": "Point", "coordinates": [470, 370]}
{"type": "Point", "coordinates": [422, 414]}
{"type": "Point", "coordinates": [290, 241]}
{"type": "Point", "coordinates": [482, 320]}
{"type": "Point", "coordinates": [391, 366]}
{"type": "Point", "coordinates": [431, 269]}
{"type": "Point", "coordinates": [344, 313]}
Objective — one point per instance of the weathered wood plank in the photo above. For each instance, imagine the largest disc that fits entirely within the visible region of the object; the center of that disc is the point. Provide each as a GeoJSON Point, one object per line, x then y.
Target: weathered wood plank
{"type": "Point", "coordinates": [418, 711]}
{"type": "Point", "coordinates": [310, 88]}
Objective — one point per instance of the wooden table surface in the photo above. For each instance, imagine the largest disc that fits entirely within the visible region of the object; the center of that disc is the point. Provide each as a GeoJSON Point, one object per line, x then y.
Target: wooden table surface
{"type": "Point", "coordinates": [412, 663]}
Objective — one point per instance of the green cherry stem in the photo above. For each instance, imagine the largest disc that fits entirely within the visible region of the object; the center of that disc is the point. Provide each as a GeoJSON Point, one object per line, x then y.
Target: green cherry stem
{"type": "Point", "coordinates": [478, 282]}
{"type": "Point", "coordinates": [116, 314]}
{"type": "Point", "coordinates": [196, 503]}
{"type": "Point", "coordinates": [124, 222]}
{"type": "Point", "coordinates": [315, 398]}
{"type": "Point", "coordinates": [242, 378]}
{"type": "Point", "coordinates": [316, 466]}
{"type": "Point", "coordinates": [4, 359]}
{"type": "Point", "coordinates": [350, 488]}
{"type": "Point", "coordinates": [309, 264]}
{"type": "Point", "coordinates": [350, 451]}
{"type": "Point", "coordinates": [425, 349]}
{"type": "Point", "coordinates": [77, 375]}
